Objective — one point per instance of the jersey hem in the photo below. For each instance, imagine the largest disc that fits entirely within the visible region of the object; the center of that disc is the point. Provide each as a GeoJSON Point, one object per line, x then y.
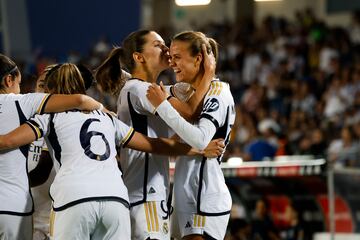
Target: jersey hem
{"type": "Point", "coordinates": [104, 198]}
{"type": "Point", "coordinates": [17, 213]}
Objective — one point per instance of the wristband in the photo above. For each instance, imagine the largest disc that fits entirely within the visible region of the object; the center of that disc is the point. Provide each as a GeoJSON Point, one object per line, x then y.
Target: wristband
{"type": "Point", "coordinates": [169, 97]}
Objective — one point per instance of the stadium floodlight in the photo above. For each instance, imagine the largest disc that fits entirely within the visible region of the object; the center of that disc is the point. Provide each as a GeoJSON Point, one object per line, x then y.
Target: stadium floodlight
{"type": "Point", "coordinates": [183, 3]}
{"type": "Point", "coordinates": [234, 161]}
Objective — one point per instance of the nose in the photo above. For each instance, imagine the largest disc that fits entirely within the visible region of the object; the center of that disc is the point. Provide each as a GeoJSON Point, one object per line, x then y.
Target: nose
{"type": "Point", "coordinates": [171, 62]}
{"type": "Point", "coordinates": [165, 49]}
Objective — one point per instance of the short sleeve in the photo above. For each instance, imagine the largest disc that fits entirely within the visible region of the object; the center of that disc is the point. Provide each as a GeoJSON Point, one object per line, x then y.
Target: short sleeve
{"type": "Point", "coordinates": [137, 98]}
{"type": "Point", "coordinates": [34, 102]}
{"type": "Point", "coordinates": [214, 109]}
{"type": "Point", "coordinates": [39, 124]}
{"type": "Point", "coordinates": [123, 132]}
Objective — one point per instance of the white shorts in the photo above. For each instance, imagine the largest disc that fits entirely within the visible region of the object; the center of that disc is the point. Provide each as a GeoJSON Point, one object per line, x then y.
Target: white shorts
{"type": "Point", "coordinates": [150, 220]}
{"type": "Point", "coordinates": [183, 224]}
{"type": "Point", "coordinates": [16, 227]}
{"type": "Point", "coordinates": [98, 219]}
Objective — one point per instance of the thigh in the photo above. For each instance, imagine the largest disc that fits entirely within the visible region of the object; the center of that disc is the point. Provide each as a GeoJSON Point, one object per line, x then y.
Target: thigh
{"type": "Point", "coordinates": [16, 227]}
{"type": "Point", "coordinates": [115, 222]}
{"type": "Point", "coordinates": [40, 235]}
{"type": "Point", "coordinates": [76, 222]}
{"type": "Point", "coordinates": [174, 225]}
{"type": "Point", "coordinates": [150, 220]}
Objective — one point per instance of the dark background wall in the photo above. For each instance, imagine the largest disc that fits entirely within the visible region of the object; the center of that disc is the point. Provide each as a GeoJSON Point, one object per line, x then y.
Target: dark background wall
{"type": "Point", "coordinates": [57, 27]}
{"type": "Point", "coordinates": [335, 6]}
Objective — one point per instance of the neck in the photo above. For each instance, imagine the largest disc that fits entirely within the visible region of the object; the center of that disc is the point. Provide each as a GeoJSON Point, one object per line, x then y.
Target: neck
{"type": "Point", "coordinates": [197, 81]}
{"type": "Point", "coordinates": [146, 75]}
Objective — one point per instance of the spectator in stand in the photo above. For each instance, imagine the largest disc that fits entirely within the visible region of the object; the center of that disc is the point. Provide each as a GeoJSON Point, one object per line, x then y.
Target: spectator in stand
{"type": "Point", "coordinates": [240, 229]}
{"type": "Point", "coordinates": [262, 226]}
{"type": "Point", "coordinates": [344, 151]}
{"type": "Point", "coordinates": [318, 143]}
{"type": "Point", "coordinates": [259, 149]}
{"type": "Point", "coordinates": [295, 230]}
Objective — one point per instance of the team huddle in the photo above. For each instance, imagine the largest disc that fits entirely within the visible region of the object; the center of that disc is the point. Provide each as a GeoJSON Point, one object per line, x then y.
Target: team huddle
{"type": "Point", "coordinates": [109, 173]}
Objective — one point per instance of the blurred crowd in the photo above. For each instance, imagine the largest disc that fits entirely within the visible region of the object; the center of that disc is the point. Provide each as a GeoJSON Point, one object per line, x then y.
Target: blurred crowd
{"type": "Point", "coordinates": [260, 226]}
{"type": "Point", "coordinates": [296, 85]}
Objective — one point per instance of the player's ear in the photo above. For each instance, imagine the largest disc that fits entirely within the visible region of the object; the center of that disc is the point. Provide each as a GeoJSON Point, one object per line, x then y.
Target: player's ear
{"type": "Point", "coordinates": [8, 81]}
{"type": "Point", "coordinates": [138, 57]}
{"type": "Point", "coordinates": [198, 59]}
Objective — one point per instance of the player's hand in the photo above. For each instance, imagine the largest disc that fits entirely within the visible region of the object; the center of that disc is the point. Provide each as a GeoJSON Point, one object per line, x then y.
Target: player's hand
{"type": "Point", "coordinates": [215, 148]}
{"type": "Point", "coordinates": [156, 94]}
{"type": "Point", "coordinates": [209, 62]}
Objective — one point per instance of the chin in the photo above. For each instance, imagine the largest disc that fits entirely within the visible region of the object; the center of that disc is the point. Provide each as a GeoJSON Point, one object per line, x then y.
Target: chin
{"type": "Point", "coordinates": [179, 79]}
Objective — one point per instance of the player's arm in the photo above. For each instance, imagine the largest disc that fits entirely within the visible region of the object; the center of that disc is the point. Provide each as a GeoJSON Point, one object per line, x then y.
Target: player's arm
{"type": "Point", "coordinates": [196, 136]}
{"type": "Point", "coordinates": [20, 136]}
{"type": "Point", "coordinates": [41, 172]}
{"type": "Point", "coordinates": [170, 147]}
{"type": "Point", "coordinates": [63, 102]}
{"type": "Point", "coordinates": [190, 110]}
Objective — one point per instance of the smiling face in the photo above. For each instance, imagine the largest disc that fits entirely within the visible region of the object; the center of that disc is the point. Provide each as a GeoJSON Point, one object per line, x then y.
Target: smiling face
{"type": "Point", "coordinates": [185, 66]}
{"type": "Point", "coordinates": [155, 53]}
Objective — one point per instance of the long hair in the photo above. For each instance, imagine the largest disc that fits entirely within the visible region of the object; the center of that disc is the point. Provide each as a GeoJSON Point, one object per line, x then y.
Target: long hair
{"type": "Point", "coordinates": [65, 79]}
{"type": "Point", "coordinates": [109, 74]}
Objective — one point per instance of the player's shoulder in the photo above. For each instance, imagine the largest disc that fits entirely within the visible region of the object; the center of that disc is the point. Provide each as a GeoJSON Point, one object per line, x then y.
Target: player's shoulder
{"type": "Point", "coordinates": [11, 97]}
{"type": "Point", "coordinates": [217, 88]}
{"type": "Point", "coordinates": [136, 86]}
{"type": "Point", "coordinates": [136, 83]}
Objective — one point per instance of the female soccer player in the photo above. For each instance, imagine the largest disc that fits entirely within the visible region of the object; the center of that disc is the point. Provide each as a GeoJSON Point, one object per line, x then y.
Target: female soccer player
{"type": "Point", "coordinates": [202, 199]}
{"type": "Point", "coordinates": [145, 56]}
{"type": "Point", "coordinates": [16, 206]}
{"type": "Point", "coordinates": [90, 199]}
{"type": "Point", "coordinates": [42, 170]}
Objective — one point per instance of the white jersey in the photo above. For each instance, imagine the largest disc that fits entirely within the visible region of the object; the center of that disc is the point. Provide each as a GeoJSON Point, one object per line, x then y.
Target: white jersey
{"type": "Point", "coordinates": [15, 109]}
{"type": "Point", "coordinates": [199, 184]}
{"type": "Point", "coordinates": [145, 175]}
{"type": "Point", "coordinates": [84, 146]}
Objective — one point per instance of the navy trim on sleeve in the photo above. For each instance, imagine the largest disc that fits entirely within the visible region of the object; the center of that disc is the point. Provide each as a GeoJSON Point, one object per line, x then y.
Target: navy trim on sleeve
{"type": "Point", "coordinates": [129, 138]}
{"type": "Point", "coordinates": [172, 91]}
{"type": "Point", "coordinates": [209, 117]}
{"type": "Point", "coordinates": [45, 102]}
{"type": "Point", "coordinates": [35, 127]}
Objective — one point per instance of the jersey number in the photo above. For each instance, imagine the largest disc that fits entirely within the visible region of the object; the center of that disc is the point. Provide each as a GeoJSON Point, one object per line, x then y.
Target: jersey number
{"type": "Point", "coordinates": [85, 137]}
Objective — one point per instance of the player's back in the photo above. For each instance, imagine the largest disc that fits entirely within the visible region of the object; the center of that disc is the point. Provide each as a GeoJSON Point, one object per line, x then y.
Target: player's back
{"type": "Point", "coordinates": [84, 145]}
{"type": "Point", "coordinates": [145, 175]}
{"type": "Point", "coordinates": [15, 109]}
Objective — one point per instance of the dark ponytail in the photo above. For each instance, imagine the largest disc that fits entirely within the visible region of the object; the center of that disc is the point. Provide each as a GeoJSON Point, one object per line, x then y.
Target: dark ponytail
{"type": "Point", "coordinates": [108, 74]}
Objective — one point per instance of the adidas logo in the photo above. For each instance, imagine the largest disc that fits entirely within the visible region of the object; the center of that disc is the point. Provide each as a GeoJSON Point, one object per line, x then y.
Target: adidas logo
{"type": "Point", "coordinates": [188, 225]}
{"type": "Point", "coordinates": [151, 190]}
